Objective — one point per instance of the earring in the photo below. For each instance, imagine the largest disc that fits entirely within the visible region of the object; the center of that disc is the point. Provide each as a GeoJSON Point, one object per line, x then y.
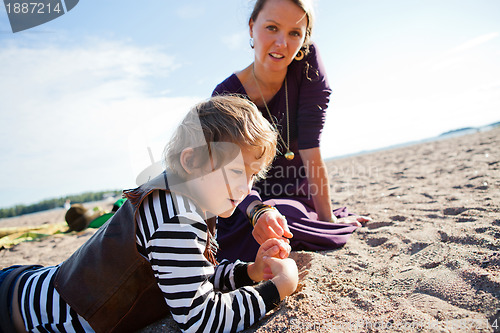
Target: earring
{"type": "Point", "coordinates": [299, 56]}
{"type": "Point", "coordinates": [251, 42]}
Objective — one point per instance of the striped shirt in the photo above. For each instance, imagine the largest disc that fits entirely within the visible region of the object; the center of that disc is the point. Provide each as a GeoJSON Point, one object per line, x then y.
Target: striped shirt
{"type": "Point", "coordinates": [172, 235]}
{"type": "Point", "coordinates": [42, 309]}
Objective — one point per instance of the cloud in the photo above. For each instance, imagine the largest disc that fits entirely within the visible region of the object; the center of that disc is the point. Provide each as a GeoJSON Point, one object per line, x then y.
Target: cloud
{"type": "Point", "coordinates": [97, 71]}
{"type": "Point", "coordinates": [68, 113]}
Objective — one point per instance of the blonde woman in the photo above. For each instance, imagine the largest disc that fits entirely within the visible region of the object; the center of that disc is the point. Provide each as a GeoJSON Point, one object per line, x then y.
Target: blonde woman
{"type": "Point", "coordinates": [288, 83]}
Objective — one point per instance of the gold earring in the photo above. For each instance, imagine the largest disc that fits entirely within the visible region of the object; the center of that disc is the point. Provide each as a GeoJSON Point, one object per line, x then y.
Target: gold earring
{"type": "Point", "coordinates": [299, 56]}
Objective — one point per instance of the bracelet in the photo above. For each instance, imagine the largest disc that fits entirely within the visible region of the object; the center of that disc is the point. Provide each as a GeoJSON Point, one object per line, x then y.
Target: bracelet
{"type": "Point", "coordinates": [257, 211]}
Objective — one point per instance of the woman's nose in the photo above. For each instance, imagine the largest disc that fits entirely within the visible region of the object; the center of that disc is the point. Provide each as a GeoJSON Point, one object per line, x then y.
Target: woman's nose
{"type": "Point", "coordinates": [280, 40]}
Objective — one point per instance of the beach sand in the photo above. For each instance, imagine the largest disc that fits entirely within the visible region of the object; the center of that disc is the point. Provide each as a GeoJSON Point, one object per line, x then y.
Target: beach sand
{"type": "Point", "coordinates": [428, 262]}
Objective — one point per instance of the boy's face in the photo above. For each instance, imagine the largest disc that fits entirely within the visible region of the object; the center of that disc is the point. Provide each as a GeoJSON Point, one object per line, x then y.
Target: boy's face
{"type": "Point", "coordinates": [219, 191]}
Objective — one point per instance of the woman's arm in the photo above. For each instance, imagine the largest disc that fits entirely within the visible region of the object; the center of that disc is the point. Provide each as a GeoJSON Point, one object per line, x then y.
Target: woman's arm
{"type": "Point", "coordinates": [314, 96]}
{"type": "Point", "coordinates": [319, 187]}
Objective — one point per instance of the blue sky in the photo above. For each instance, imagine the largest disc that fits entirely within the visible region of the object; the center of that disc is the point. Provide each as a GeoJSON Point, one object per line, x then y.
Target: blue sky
{"type": "Point", "coordinates": [83, 96]}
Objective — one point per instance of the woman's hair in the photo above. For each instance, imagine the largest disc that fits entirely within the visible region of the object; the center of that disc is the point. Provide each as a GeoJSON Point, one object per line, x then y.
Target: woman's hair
{"type": "Point", "coordinates": [305, 5]}
{"type": "Point", "coordinates": [210, 125]}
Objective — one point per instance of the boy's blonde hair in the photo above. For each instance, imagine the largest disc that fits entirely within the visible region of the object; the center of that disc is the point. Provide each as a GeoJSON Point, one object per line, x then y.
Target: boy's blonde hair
{"type": "Point", "coordinates": [218, 120]}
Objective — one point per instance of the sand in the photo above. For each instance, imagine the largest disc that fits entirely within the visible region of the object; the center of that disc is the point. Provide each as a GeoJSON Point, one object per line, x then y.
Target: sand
{"type": "Point", "coordinates": [428, 262]}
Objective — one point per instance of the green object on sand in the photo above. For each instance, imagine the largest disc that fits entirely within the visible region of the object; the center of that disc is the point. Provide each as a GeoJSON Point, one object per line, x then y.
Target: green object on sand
{"type": "Point", "coordinates": [99, 221]}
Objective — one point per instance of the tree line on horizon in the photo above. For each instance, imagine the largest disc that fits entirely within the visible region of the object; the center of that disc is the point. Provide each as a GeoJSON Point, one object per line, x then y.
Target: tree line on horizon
{"type": "Point", "coordinates": [55, 203]}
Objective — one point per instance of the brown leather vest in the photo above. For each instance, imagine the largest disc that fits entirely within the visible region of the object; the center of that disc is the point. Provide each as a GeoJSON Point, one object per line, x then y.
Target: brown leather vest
{"type": "Point", "coordinates": [107, 281]}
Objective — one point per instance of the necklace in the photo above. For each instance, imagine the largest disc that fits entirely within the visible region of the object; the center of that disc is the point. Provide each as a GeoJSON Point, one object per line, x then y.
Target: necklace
{"type": "Point", "coordinates": [289, 155]}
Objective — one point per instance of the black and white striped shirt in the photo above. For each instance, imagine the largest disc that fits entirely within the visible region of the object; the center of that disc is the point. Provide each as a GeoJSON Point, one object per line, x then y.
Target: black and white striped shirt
{"type": "Point", "coordinates": [42, 309]}
{"type": "Point", "coordinates": [202, 298]}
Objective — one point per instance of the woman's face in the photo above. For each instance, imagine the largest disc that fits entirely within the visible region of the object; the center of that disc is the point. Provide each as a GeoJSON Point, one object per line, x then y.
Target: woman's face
{"type": "Point", "coordinates": [278, 33]}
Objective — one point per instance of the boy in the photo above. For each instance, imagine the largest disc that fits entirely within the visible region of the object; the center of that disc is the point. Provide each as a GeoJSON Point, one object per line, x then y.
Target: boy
{"type": "Point", "coordinates": [155, 255]}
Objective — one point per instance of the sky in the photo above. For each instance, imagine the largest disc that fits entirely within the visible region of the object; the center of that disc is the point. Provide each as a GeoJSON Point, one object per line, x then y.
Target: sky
{"type": "Point", "coordinates": [84, 96]}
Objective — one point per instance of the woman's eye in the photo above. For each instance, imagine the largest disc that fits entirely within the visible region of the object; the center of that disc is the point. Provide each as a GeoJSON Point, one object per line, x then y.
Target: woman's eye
{"type": "Point", "coordinates": [295, 34]}
{"type": "Point", "coordinates": [271, 28]}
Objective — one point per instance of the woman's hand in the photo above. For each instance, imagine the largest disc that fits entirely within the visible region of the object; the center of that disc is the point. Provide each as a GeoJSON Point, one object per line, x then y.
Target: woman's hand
{"type": "Point", "coordinates": [271, 224]}
{"type": "Point", "coordinates": [353, 220]}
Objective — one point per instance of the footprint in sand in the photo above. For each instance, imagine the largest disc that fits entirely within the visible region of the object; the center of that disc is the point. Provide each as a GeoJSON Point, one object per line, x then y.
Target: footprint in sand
{"type": "Point", "coordinates": [376, 241]}
{"type": "Point", "coordinates": [437, 308]}
{"type": "Point", "coordinates": [376, 225]}
{"type": "Point", "coordinates": [427, 255]}
{"type": "Point", "coordinates": [454, 210]}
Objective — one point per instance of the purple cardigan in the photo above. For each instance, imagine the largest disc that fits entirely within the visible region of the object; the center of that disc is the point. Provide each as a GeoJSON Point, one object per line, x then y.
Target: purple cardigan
{"type": "Point", "coordinates": [308, 94]}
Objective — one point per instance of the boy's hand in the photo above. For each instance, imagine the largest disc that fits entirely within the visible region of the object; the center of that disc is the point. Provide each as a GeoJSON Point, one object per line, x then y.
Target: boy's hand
{"type": "Point", "coordinates": [273, 247]}
{"type": "Point", "coordinates": [286, 275]}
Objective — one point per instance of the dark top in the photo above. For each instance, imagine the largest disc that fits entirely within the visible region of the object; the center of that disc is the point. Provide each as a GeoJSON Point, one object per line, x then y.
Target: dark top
{"type": "Point", "coordinates": [308, 97]}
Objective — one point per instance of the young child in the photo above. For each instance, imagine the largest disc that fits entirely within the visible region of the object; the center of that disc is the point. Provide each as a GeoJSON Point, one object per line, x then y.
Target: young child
{"type": "Point", "coordinates": [155, 255]}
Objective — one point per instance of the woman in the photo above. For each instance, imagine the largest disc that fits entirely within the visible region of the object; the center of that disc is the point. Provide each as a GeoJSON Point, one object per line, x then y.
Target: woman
{"type": "Point", "coordinates": [287, 81]}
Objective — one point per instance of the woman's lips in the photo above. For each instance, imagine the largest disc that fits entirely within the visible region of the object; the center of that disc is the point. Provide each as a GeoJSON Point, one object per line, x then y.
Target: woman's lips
{"type": "Point", "coordinates": [275, 55]}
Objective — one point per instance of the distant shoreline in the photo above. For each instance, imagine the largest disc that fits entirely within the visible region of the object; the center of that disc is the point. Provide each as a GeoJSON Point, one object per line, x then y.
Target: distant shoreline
{"type": "Point", "coordinates": [109, 196]}
{"type": "Point", "coordinates": [443, 136]}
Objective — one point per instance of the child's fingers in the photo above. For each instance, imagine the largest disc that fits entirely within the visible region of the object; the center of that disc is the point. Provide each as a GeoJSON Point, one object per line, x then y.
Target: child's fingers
{"type": "Point", "coordinates": [269, 243]}
{"type": "Point", "coordinates": [273, 251]}
{"type": "Point", "coordinates": [276, 247]}
{"type": "Point", "coordinates": [285, 250]}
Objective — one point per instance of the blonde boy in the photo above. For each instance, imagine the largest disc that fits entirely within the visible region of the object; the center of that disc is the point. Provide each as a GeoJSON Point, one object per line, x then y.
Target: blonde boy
{"type": "Point", "coordinates": [155, 255]}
